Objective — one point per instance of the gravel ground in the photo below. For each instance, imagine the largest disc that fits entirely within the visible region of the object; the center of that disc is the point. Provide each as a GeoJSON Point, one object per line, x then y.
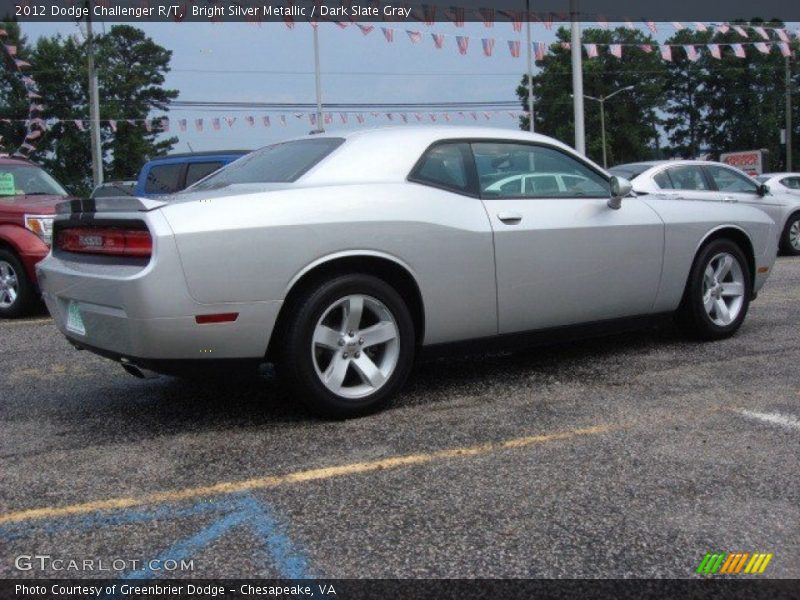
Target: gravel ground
{"type": "Point", "coordinates": [629, 456]}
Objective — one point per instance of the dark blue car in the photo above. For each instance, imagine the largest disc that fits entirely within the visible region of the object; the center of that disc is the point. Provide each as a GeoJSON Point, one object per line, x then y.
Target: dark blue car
{"type": "Point", "coordinates": [170, 174]}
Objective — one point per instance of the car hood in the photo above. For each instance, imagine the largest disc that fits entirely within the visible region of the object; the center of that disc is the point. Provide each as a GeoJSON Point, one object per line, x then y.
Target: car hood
{"type": "Point", "coordinates": [30, 204]}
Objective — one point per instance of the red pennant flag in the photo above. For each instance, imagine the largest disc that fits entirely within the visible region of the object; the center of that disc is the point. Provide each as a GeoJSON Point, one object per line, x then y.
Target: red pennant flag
{"type": "Point", "coordinates": [487, 14]}
{"type": "Point", "coordinates": [651, 25]}
{"type": "Point", "coordinates": [414, 36]}
{"type": "Point", "coordinates": [615, 50]}
{"type": "Point", "coordinates": [513, 47]}
{"type": "Point", "coordinates": [548, 23]}
{"type": "Point", "coordinates": [488, 46]}
{"type": "Point", "coordinates": [113, 124]}
{"type": "Point", "coordinates": [283, 120]}
{"type": "Point", "coordinates": [429, 10]}
{"type": "Point", "coordinates": [446, 117]}
{"type": "Point", "coordinates": [11, 50]}
{"type": "Point", "coordinates": [165, 124]}
{"type": "Point", "coordinates": [456, 15]}
{"type": "Point", "coordinates": [148, 125]}
{"type": "Point", "coordinates": [738, 51]}
{"type": "Point", "coordinates": [762, 47]}
{"type": "Point", "coordinates": [723, 28]}
{"type": "Point", "coordinates": [691, 52]}
{"type": "Point", "coordinates": [700, 27]}
{"type": "Point", "coordinates": [79, 124]}
{"type": "Point", "coordinates": [230, 121]}
{"type": "Point", "coordinates": [360, 118]}
{"type": "Point", "coordinates": [182, 124]}
{"type": "Point", "coordinates": [3, 33]}
{"type": "Point", "coordinates": [474, 116]}
{"type": "Point", "coordinates": [250, 120]}
{"type": "Point", "coordinates": [786, 51]}
{"type": "Point", "coordinates": [539, 50]}
{"type": "Point", "coordinates": [404, 116]}
{"type": "Point", "coordinates": [327, 118]}
{"type": "Point", "coordinates": [629, 24]}
{"type": "Point", "coordinates": [591, 50]}
{"type": "Point", "coordinates": [312, 118]}
{"type": "Point", "coordinates": [365, 29]}
{"type": "Point", "coordinates": [715, 51]}
{"type": "Point", "coordinates": [32, 135]}
{"type": "Point", "coordinates": [343, 118]}
{"type": "Point", "coordinates": [602, 22]}
{"type": "Point", "coordinates": [21, 64]}
{"type": "Point", "coordinates": [198, 124]}
{"type": "Point", "coordinates": [438, 39]}
{"type": "Point", "coordinates": [288, 20]}
{"type": "Point", "coordinates": [389, 116]}
{"type": "Point", "coordinates": [388, 33]}
{"type": "Point", "coordinates": [678, 26]}
{"type": "Point", "coordinates": [216, 124]}
{"type": "Point", "coordinates": [463, 43]}
{"type": "Point", "coordinates": [762, 32]}
{"type": "Point", "coordinates": [516, 19]}
{"type": "Point", "coordinates": [418, 116]}
{"type": "Point", "coordinates": [265, 121]}
{"type": "Point", "coordinates": [564, 45]}
{"type": "Point", "coordinates": [740, 31]}
{"type": "Point", "coordinates": [433, 117]}
{"type": "Point", "coordinates": [646, 48]}
{"type": "Point", "coordinates": [782, 35]}
{"type": "Point", "coordinates": [666, 52]}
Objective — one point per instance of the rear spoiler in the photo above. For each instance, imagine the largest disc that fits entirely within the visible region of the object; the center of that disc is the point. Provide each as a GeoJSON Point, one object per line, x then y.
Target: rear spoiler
{"type": "Point", "coordinates": [110, 204]}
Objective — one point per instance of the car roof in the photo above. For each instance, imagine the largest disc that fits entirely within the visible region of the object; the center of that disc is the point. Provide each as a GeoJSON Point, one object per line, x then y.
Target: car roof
{"type": "Point", "coordinates": [9, 160]}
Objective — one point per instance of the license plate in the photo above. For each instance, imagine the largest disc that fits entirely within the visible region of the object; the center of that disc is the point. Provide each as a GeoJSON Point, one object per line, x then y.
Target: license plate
{"type": "Point", "coordinates": [74, 320]}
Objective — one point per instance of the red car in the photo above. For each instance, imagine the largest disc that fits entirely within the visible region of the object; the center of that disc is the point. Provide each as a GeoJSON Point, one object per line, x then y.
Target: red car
{"type": "Point", "coordinates": [28, 197]}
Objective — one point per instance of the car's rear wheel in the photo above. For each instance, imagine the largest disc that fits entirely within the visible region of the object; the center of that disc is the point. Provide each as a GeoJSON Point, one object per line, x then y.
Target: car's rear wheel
{"type": "Point", "coordinates": [17, 294]}
{"type": "Point", "coordinates": [349, 346]}
{"type": "Point", "coordinates": [790, 239]}
{"type": "Point", "coordinates": [718, 292]}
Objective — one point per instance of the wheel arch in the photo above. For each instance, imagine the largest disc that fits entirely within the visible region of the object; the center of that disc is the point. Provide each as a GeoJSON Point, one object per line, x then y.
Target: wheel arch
{"type": "Point", "coordinates": [388, 268]}
{"type": "Point", "coordinates": [737, 235]}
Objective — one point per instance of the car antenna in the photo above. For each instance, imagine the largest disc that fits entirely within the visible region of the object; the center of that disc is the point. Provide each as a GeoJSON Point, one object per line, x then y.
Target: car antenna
{"type": "Point", "coordinates": [190, 147]}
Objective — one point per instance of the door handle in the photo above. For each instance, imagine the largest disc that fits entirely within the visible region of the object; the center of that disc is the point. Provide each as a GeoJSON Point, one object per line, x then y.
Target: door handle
{"type": "Point", "coordinates": [510, 218]}
{"type": "Point", "coordinates": [729, 199]}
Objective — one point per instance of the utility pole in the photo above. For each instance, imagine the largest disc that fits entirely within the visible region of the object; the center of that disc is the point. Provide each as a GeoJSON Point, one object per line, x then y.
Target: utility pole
{"type": "Point", "coordinates": [317, 80]}
{"type": "Point", "coordinates": [532, 127]}
{"type": "Point", "coordinates": [788, 113]}
{"type": "Point", "coordinates": [94, 104]}
{"type": "Point", "coordinates": [577, 78]}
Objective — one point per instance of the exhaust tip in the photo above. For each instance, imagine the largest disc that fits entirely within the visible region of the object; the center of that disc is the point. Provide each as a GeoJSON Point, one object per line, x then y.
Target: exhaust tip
{"type": "Point", "coordinates": [137, 371]}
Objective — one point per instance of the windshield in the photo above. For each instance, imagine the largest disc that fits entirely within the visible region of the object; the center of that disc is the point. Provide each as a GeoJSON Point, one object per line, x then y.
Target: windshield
{"type": "Point", "coordinates": [18, 180]}
{"type": "Point", "coordinates": [761, 178]}
{"type": "Point", "coordinates": [279, 163]}
{"type": "Point", "coordinates": [629, 171]}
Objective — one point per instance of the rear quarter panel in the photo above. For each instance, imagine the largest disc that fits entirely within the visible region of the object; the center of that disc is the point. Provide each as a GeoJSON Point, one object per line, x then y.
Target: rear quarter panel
{"type": "Point", "coordinates": [252, 247]}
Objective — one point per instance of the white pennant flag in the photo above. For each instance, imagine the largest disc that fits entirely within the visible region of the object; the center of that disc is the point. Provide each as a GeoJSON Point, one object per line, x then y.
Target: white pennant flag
{"type": "Point", "coordinates": [615, 50]}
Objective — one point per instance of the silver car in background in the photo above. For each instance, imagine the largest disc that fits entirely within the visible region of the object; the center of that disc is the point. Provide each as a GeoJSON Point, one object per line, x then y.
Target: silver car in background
{"type": "Point", "coordinates": [705, 180]}
{"type": "Point", "coordinates": [341, 257]}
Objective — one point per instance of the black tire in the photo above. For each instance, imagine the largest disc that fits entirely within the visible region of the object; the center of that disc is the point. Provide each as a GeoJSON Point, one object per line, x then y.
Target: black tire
{"type": "Point", "coordinates": [27, 297]}
{"type": "Point", "coordinates": [296, 360]}
{"type": "Point", "coordinates": [786, 243]}
{"type": "Point", "coordinates": [692, 315]}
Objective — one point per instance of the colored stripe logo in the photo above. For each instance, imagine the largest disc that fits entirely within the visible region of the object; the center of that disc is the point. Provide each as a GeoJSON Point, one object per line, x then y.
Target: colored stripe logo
{"type": "Point", "coordinates": [733, 563]}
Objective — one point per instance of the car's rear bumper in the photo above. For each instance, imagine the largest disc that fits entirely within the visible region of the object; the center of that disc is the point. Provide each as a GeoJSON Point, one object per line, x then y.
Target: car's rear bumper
{"type": "Point", "coordinates": [145, 311]}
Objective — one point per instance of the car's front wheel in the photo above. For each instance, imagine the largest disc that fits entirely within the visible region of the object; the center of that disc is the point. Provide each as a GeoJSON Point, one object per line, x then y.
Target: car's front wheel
{"type": "Point", "coordinates": [790, 239]}
{"type": "Point", "coordinates": [718, 292]}
{"type": "Point", "coordinates": [17, 295]}
{"type": "Point", "coordinates": [349, 346]}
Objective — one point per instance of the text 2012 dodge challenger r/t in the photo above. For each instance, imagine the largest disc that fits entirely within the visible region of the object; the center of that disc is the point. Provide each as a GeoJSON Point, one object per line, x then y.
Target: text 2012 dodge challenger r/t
{"type": "Point", "coordinates": [340, 257]}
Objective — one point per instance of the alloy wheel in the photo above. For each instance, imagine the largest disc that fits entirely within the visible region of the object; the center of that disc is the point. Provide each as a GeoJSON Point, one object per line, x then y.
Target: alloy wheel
{"type": "Point", "coordinates": [356, 346]}
{"type": "Point", "coordinates": [723, 289]}
{"type": "Point", "coordinates": [794, 234]}
{"type": "Point", "coordinates": [9, 285]}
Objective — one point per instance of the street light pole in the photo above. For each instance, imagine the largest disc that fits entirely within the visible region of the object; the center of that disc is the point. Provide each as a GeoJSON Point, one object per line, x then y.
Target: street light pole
{"type": "Point", "coordinates": [94, 104]}
{"type": "Point", "coordinates": [317, 79]}
{"type": "Point", "coordinates": [531, 125]}
{"type": "Point", "coordinates": [602, 101]}
{"type": "Point", "coordinates": [788, 114]}
{"type": "Point", "coordinates": [577, 78]}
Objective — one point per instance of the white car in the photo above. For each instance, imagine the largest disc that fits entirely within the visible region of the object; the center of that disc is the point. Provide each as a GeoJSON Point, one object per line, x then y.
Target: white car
{"type": "Point", "coordinates": [713, 181]}
{"type": "Point", "coordinates": [785, 183]}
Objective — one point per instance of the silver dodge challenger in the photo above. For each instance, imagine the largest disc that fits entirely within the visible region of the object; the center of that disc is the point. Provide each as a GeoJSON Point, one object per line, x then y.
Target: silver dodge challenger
{"type": "Point", "coordinates": [342, 257]}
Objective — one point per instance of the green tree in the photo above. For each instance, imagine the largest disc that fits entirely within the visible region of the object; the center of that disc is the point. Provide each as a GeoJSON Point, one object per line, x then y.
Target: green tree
{"type": "Point", "coordinates": [14, 103]}
{"type": "Point", "coordinates": [631, 117]}
{"type": "Point", "coordinates": [131, 69]}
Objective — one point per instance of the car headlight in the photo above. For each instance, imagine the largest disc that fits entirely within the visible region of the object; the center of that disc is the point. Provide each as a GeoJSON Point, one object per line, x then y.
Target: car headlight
{"type": "Point", "coordinates": [41, 225]}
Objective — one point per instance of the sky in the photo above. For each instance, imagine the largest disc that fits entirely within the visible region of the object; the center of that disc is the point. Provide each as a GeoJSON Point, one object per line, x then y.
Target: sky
{"type": "Point", "coordinates": [208, 63]}
{"type": "Point", "coordinates": [271, 63]}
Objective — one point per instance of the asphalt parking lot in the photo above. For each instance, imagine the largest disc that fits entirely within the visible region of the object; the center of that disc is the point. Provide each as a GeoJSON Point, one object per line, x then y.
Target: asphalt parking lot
{"type": "Point", "coordinates": [630, 456]}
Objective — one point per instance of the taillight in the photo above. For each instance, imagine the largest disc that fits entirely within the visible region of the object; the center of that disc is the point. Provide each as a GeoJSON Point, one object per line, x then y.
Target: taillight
{"type": "Point", "coordinates": [108, 241]}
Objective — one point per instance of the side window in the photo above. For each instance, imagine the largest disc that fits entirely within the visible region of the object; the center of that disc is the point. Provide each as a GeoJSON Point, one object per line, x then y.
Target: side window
{"type": "Point", "coordinates": [687, 177]}
{"type": "Point", "coordinates": [791, 182]}
{"type": "Point", "coordinates": [164, 179]}
{"type": "Point", "coordinates": [662, 180]}
{"type": "Point", "coordinates": [444, 165]}
{"type": "Point", "coordinates": [540, 167]}
{"type": "Point", "coordinates": [196, 171]}
{"type": "Point", "coordinates": [728, 180]}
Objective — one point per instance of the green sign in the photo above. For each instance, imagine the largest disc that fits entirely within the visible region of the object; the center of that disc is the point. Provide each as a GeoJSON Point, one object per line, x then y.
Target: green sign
{"type": "Point", "coordinates": [7, 187]}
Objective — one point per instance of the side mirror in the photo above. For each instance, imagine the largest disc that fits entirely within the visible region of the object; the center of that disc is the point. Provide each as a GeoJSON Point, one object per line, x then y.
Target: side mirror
{"type": "Point", "coordinates": [763, 190]}
{"type": "Point", "coordinates": [620, 187]}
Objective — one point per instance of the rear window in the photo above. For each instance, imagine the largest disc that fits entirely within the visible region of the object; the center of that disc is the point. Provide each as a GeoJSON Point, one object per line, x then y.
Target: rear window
{"type": "Point", "coordinates": [279, 163]}
{"type": "Point", "coordinates": [164, 179]}
{"type": "Point", "coordinates": [196, 171]}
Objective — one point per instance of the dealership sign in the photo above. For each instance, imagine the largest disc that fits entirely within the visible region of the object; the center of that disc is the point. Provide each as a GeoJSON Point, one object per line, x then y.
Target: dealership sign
{"type": "Point", "coordinates": [749, 161]}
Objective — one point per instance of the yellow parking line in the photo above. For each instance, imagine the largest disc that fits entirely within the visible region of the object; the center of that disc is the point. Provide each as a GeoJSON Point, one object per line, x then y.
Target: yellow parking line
{"type": "Point", "coordinates": [25, 321]}
{"type": "Point", "coordinates": [232, 487]}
